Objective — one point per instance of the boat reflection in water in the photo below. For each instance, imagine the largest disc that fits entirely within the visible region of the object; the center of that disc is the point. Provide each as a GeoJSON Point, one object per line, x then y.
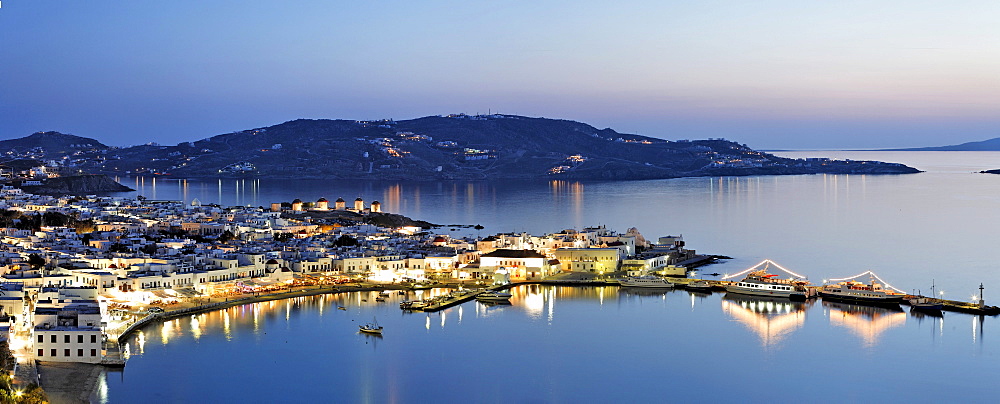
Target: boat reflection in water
{"type": "Point", "coordinates": [867, 322]}
{"type": "Point", "coordinates": [771, 318]}
{"type": "Point", "coordinates": [495, 303]}
{"type": "Point", "coordinates": [643, 291]}
{"type": "Point", "coordinates": [921, 314]}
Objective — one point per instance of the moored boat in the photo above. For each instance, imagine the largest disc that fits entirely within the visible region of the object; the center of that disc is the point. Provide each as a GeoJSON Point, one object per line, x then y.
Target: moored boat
{"type": "Point", "coordinates": [412, 304]}
{"type": "Point", "coordinates": [493, 296]}
{"type": "Point", "coordinates": [925, 304]}
{"type": "Point", "coordinates": [758, 282]}
{"type": "Point", "coordinates": [700, 286]}
{"type": "Point", "coordinates": [645, 281]}
{"type": "Point", "coordinates": [849, 290]}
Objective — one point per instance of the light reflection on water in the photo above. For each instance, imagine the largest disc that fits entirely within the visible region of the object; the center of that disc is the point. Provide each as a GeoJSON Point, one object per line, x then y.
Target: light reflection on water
{"type": "Point", "coordinates": [772, 319]}
{"type": "Point", "coordinates": [867, 322]}
{"type": "Point", "coordinates": [562, 343]}
{"type": "Point", "coordinates": [583, 344]}
{"type": "Point", "coordinates": [829, 226]}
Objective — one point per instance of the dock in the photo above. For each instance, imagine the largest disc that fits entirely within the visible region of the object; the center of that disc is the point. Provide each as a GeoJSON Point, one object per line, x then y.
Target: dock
{"type": "Point", "coordinates": [963, 307]}
{"type": "Point", "coordinates": [447, 302]}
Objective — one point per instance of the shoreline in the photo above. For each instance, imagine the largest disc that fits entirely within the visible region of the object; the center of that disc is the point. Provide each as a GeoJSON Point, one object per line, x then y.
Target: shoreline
{"type": "Point", "coordinates": [76, 382]}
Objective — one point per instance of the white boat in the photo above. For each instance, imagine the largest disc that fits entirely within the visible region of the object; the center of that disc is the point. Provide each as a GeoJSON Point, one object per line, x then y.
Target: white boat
{"type": "Point", "coordinates": [853, 291]}
{"type": "Point", "coordinates": [758, 282]}
{"type": "Point", "coordinates": [493, 296]}
{"type": "Point", "coordinates": [756, 286]}
{"type": "Point", "coordinates": [645, 281]}
{"type": "Point", "coordinates": [371, 328]}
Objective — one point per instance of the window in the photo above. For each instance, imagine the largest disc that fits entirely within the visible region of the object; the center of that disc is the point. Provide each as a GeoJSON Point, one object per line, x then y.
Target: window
{"type": "Point", "coordinates": [41, 352]}
{"type": "Point", "coordinates": [52, 352]}
{"type": "Point", "coordinates": [66, 339]}
{"type": "Point", "coordinates": [93, 339]}
{"type": "Point", "coordinates": [79, 339]}
{"type": "Point", "coordinates": [66, 352]}
{"type": "Point", "coordinates": [93, 352]}
{"type": "Point", "coordinates": [53, 339]}
{"type": "Point", "coordinates": [41, 338]}
{"type": "Point", "coordinates": [79, 352]}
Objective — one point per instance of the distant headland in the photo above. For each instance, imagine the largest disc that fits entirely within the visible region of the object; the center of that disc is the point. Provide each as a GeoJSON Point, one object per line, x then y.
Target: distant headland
{"type": "Point", "coordinates": [451, 147]}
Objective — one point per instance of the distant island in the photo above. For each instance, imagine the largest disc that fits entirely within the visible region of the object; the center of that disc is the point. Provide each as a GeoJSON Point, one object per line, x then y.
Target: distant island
{"type": "Point", "coordinates": [983, 145]}
{"type": "Point", "coordinates": [452, 147]}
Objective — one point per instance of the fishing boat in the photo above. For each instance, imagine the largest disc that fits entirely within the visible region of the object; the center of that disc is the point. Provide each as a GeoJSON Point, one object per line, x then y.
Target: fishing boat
{"type": "Point", "coordinates": [412, 304]}
{"type": "Point", "coordinates": [849, 290]}
{"type": "Point", "coordinates": [493, 296]}
{"type": "Point", "coordinates": [645, 281]}
{"type": "Point", "coordinates": [700, 286]}
{"type": "Point", "coordinates": [758, 282]}
{"type": "Point", "coordinates": [925, 304]}
{"type": "Point", "coordinates": [371, 328]}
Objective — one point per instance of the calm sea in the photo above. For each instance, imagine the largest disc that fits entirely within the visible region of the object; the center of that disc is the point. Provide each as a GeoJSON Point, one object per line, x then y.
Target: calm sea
{"type": "Point", "coordinates": [605, 344]}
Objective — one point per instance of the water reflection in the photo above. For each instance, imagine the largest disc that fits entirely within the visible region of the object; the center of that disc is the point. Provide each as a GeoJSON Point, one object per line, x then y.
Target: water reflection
{"type": "Point", "coordinates": [771, 318]}
{"type": "Point", "coordinates": [867, 322]}
{"type": "Point", "coordinates": [414, 347]}
{"type": "Point", "coordinates": [643, 291]}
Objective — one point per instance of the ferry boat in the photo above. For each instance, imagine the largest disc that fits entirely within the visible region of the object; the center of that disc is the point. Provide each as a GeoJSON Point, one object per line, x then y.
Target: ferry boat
{"type": "Point", "coordinates": [761, 283]}
{"type": "Point", "coordinates": [645, 281]}
{"type": "Point", "coordinates": [493, 296]}
{"type": "Point", "coordinates": [758, 282]}
{"type": "Point", "coordinates": [854, 291]}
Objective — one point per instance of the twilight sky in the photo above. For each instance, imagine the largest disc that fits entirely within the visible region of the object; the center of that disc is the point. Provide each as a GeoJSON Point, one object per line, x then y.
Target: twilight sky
{"type": "Point", "coordinates": [771, 74]}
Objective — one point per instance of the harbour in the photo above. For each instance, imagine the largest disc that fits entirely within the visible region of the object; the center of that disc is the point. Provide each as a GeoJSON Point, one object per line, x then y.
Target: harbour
{"type": "Point", "coordinates": [762, 331]}
{"type": "Point", "coordinates": [775, 325]}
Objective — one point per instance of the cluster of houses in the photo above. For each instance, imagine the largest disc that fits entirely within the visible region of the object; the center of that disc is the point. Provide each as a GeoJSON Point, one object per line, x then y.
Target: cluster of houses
{"type": "Point", "coordinates": [58, 284]}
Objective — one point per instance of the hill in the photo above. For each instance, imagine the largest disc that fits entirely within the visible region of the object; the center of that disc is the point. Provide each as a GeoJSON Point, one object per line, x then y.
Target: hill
{"type": "Point", "coordinates": [454, 147]}
{"type": "Point", "coordinates": [50, 142]}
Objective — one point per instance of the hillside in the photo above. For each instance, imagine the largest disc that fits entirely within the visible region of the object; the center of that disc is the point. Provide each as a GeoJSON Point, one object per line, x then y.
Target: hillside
{"type": "Point", "coordinates": [50, 142]}
{"type": "Point", "coordinates": [454, 147]}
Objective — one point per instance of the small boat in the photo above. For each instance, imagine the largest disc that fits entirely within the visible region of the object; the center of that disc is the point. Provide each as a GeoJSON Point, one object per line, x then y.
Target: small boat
{"type": "Point", "coordinates": [645, 281]}
{"type": "Point", "coordinates": [493, 296]}
{"type": "Point", "coordinates": [380, 298]}
{"type": "Point", "coordinates": [700, 286]}
{"type": "Point", "coordinates": [925, 304]}
{"type": "Point", "coordinates": [371, 328]}
{"type": "Point", "coordinates": [412, 305]}
{"type": "Point", "coordinates": [402, 293]}
{"type": "Point", "coordinates": [341, 308]}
